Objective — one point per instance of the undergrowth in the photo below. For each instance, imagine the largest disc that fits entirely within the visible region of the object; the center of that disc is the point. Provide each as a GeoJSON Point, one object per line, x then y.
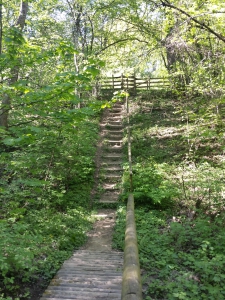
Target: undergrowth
{"type": "Point", "coordinates": [46, 179]}
{"type": "Point", "coordinates": [178, 180]}
{"type": "Point", "coordinates": [180, 258]}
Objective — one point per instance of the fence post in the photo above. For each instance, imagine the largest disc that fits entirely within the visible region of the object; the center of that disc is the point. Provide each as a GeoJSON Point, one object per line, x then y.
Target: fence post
{"type": "Point", "coordinates": [129, 145]}
{"type": "Point", "coordinates": [135, 90]}
{"type": "Point", "coordinates": [122, 82]}
{"type": "Point", "coordinates": [113, 82]}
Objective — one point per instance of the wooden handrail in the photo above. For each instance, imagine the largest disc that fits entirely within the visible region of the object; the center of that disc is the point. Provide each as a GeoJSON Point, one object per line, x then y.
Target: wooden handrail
{"type": "Point", "coordinates": [131, 284]}
{"type": "Point", "coordinates": [129, 144]}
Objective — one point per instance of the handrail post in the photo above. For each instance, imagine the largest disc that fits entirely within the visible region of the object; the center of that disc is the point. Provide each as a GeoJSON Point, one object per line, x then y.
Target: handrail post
{"type": "Point", "coordinates": [135, 90]}
{"type": "Point", "coordinates": [122, 82]}
{"type": "Point", "coordinates": [113, 82]}
{"type": "Point", "coordinates": [129, 145]}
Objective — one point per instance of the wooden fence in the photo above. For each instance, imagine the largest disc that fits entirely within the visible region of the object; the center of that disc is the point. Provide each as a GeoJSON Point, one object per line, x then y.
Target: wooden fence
{"type": "Point", "coordinates": [132, 83]}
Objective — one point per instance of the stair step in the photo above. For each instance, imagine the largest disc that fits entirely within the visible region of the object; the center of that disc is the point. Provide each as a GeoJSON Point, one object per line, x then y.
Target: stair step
{"type": "Point", "coordinates": [112, 289]}
{"type": "Point", "coordinates": [115, 168]}
{"type": "Point", "coordinates": [114, 126]}
{"type": "Point", "coordinates": [82, 265]}
{"type": "Point", "coordinates": [115, 122]}
{"type": "Point", "coordinates": [112, 149]}
{"type": "Point", "coordinates": [114, 132]}
{"type": "Point", "coordinates": [110, 186]}
{"type": "Point", "coordinates": [73, 295]}
{"type": "Point", "coordinates": [111, 162]}
{"type": "Point", "coordinates": [117, 110]}
{"type": "Point", "coordinates": [97, 283]}
{"type": "Point", "coordinates": [115, 138]}
{"type": "Point", "coordinates": [115, 118]}
{"type": "Point", "coordinates": [115, 113]}
{"type": "Point", "coordinates": [111, 122]}
{"type": "Point", "coordinates": [108, 200]}
{"type": "Point", "coordinates": [116, 143]}
{"type": "Point", "coordinates": [111, 194]}
{"type": "Point", "coordinates": [112, 156]}
{"type": "Point", "coordinates": [120, 105]}
{"type": "Point", "coordinates": [112, 177]}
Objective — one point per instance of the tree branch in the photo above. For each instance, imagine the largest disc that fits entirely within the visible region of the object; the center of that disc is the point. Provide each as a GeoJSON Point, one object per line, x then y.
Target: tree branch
{"type": "Point", "coordinates": [166, 3]}
{"type": "Point", "coordinates": [120, 41]}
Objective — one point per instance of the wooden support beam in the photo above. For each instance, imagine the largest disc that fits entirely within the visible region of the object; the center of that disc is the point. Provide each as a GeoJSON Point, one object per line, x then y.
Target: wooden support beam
{"type": "Point", "coordinates": [131, 284]}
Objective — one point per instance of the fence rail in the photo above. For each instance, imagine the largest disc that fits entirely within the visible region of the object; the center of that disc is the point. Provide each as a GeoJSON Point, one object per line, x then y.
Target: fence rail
{"type": "Point", "coordinates": [133, 84]}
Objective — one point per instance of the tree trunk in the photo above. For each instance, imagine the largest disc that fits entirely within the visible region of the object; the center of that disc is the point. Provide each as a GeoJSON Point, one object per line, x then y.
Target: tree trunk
{"type": "Point", "coordinates": [6, 102]}
{"type": "Point", "coordinates": [0, 26]}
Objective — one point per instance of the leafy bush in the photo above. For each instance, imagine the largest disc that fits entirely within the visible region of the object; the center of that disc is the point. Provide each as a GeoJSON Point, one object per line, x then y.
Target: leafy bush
{"type": "Point", "coordinates": [150, 186]}
{"type": "Point", "coordinates": [39, 244]}
{"type": "Point", "coordinates": [45, 182]}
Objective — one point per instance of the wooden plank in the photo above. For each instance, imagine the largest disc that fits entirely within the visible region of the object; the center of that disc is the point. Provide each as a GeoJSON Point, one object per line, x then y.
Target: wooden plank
{"type": "Point", "coordinates": [85, 284]}
{"type": "Point", "coordinates": [66, 294]}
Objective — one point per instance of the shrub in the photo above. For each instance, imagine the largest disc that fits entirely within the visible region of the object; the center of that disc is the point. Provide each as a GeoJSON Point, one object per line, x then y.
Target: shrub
{"type": "Point", "coordinates": [150, 185]}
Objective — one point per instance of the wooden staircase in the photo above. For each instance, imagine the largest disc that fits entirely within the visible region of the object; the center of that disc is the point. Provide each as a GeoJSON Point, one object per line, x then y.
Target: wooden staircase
{"type": "Point", "coordinates": [111, 161]}
{"type": "Point", "coordinates": [91, 274]}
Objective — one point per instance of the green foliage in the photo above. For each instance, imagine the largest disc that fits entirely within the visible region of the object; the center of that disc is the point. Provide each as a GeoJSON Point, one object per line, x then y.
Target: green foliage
{"type": "Point", "coordinates": [39, 244]}
{"type": "Point", "coordinates": [119, 95]}
{"type": "Point", "coordinates": [181, 245]}
{"type": "Point", "coordinates": [120, 227]}
{"type": "Point", "coordinates": [182, 259]}
{"type": "Point", "coordinates": [44, 182]}
{"type": "Point", "coordinates": [47, 158]}
{"type": "Point", "coordinates": [150, 186]}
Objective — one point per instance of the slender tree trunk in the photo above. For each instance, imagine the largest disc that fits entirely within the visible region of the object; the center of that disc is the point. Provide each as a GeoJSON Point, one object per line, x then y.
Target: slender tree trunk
{"type": "Point", "coordinates": [1, 23]}
{"type": "Point", "coordinates": [6, 101]}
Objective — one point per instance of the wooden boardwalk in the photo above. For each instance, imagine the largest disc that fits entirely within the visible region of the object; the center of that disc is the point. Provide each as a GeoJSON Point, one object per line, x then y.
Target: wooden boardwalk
{"type": "Point", "coordinates": [88, 275]}
{"type": "Point", "coordinates": [92, 274]}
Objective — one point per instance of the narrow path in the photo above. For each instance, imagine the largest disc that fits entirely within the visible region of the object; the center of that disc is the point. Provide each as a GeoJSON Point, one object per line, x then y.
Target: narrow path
{"type": "Point", "coordinates": [95, 271]}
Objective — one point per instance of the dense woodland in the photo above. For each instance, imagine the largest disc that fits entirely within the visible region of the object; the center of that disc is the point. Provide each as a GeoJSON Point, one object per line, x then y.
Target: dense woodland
{"type": "Point", "coordinates": [52, 54]}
